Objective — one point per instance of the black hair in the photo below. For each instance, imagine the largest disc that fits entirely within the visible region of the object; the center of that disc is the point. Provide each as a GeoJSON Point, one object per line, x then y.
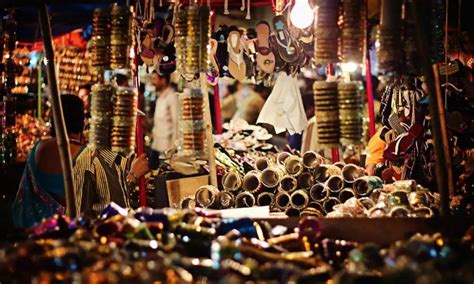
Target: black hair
{"type": "Point", "coordinates": [262, 89]}
{"type": "Point", "coordinates": [233, 87]}
{"type": "Point", "coordinates": [121, 79]}
{"type": "Point", "coordinates": [167, 77]}
{"type": "Point", "coordinates": [73, 112]}
{"type": "Point", "coordinates": [86, 86]}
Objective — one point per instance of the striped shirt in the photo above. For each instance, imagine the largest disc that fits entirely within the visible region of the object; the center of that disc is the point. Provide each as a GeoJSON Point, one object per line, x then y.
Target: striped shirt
{"type": "Point", "coordinates": [99, 179]}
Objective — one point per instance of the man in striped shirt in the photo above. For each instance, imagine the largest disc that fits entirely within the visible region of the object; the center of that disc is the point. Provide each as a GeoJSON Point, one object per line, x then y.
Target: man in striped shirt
{"type": "Point", "coordinates": [102, 176]}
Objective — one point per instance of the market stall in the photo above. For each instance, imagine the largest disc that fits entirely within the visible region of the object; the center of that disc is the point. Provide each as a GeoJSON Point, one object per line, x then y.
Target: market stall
{"type": "Point", "coordinates": [225, 203]}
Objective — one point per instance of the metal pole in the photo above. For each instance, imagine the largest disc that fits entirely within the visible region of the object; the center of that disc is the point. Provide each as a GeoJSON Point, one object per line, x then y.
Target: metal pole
{"type": "Point", "coordinates": [444, 178]}
{"type": "Point", "coordinates": [59, 126]}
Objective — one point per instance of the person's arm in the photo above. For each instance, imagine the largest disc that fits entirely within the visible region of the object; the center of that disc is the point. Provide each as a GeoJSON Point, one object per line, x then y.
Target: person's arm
{"type": "Point", "coordinates": [138, 168]}
{"type": "Point", "coordinates": [174, 111]}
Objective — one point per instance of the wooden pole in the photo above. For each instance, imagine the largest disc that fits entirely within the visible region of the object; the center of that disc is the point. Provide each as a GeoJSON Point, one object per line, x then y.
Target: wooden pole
{"type": "Point", "coordinates": [209, 138]}
{"type": "Point", "coordinates": [59, 126]}
{"type": "Point", "coordinates": [444, 179]}
{"type": "Point", "coordinates": [139, 125]}
{"type": "Point", "coordinates": [40, 87]}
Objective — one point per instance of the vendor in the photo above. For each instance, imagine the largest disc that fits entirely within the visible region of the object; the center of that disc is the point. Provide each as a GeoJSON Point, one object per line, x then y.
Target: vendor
{"type": "Point", "coordinates": [375, 150]}
{"type": "Point", "coordinates": [253, 104]}
{"type": "Point", "coordinates": [165, 121]}
{"type": "Point", "coordinates": [41, 191]}
{"type": "Point", "coordinates": [102, 176]}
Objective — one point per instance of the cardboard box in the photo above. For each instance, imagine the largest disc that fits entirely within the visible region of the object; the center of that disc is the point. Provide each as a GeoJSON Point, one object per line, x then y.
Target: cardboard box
{"type": "Point", "coordinates": [170, 191]}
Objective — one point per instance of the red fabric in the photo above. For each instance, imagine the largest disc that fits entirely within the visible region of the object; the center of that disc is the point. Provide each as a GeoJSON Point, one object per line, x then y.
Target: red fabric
{"type": "Point", "coordinates": [73, 38]}
{"type": "Point", "coordinates": [217, 109]}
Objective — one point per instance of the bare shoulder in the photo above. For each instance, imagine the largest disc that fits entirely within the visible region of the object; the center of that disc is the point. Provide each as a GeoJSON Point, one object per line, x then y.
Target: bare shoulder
{"type": "Point", "coordinates": [46, 147]}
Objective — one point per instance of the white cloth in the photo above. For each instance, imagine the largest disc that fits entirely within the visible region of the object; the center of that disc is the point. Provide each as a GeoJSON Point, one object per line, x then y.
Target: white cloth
{"type": "Point", "coordinates": [165, 120]}
{"type": "Point", "coordinates": [284, 107]}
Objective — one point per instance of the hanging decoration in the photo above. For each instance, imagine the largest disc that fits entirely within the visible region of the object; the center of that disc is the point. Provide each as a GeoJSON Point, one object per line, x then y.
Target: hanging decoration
{"type": "Point", "coordinates": [326, 32]}
{"type": "Point", "coordinates": [192, 26]}
{"type": "Point", "coordinates": [121, 37]}
{"type": "Point", "coordinates": [99, 49]}
{"type": "Point", "coordinates": [327, 114]}
{"type": "Point", "coordinates": [192, 125]}
{"type": "Point", "coordinates": [389, 48]}
{"type": "Point", "coordinates": [350, 105]}
{"type": "Point", "coordinates": [101, 115]}
{"type": "Point", "coordinates": [353, 27]}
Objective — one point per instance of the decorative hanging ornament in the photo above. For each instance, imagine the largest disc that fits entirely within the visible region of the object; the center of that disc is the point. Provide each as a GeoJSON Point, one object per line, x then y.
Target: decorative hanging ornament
{"type": "Point", "coordinates": [226, 7]}
{"type": "Point", "coordinates": [248, 10]}
{"type": "Point", "coordinates": [279, 6]}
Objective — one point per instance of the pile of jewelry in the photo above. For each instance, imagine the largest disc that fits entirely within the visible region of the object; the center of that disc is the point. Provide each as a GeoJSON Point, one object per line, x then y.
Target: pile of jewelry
{"type": "Point", "coordinates": [326, 32]}
{"type": "Point", "coordinates": [124, 120]}
{"type": "Point", "coordinates": [121, 38]}
{"type": "Point", "coordinates": [73, 69]}
{"type": "Point", "coordinates": [101, 115]}
{"type": "Point", "coordinates": [192, 37]}
{"type": "Point", "coordinates": [192, 125]}
{"type": "Point", "coordinates": [113, 118]}
{"type": "Point", "coordinates": [180, 27]}
{"type": "Point", "coordinates": [350, 100]}
{"type": "Point", "coordinates": [326, 112]}
{"type": "Point", "coordinates": [308, 185]}
{"type": "Point", "coordinates": [353, 31]}
{"type": "Point", "coordinates": [99, 49]}
{"type": "Point", "coordinates": [169, 246]}
{"type": "Point", "coordinates": [389, 40]}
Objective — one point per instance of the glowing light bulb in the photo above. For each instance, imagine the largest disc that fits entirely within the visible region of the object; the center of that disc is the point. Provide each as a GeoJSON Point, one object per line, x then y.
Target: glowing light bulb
{"type": "Point", "coordinates": [349, 67]}
{"type": "Point", "coordinates": [302, 15]}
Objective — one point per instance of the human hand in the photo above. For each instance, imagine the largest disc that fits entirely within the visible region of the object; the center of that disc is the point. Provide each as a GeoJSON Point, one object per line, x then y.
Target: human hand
{"type": "Point", "coordinates": [139, 166]}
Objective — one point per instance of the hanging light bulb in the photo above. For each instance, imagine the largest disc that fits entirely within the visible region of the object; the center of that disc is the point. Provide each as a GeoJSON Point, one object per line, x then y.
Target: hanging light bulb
{"type": "Point", "coordinates": [302, 15]}
{"type": "Point", "coordinates": [349, 67]}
